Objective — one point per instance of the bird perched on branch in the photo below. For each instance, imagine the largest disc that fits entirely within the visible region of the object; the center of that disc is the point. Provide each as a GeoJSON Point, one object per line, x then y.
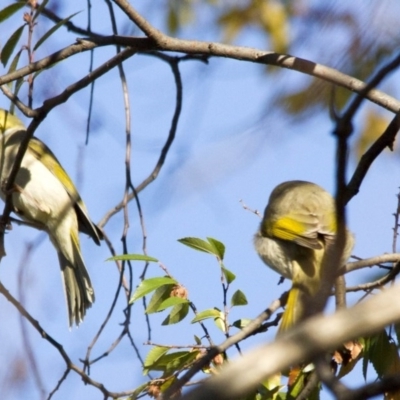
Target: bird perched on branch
{"type": "Point", "coordinates": [297, 231]}
{"type": "Point", "coordinates": [43, 194]}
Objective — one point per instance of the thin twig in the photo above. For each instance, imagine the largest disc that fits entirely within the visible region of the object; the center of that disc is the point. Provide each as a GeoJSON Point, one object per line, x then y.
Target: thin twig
{"type": "Point", "coordinates": [378, 283]}
{"type": "Point", "coordinates": [396, 224]}
{"type": "Point", "coordinates": [173, 62]}
{"type": "Point", "coordinates": [59, 383]}
{"type": "Point", "coordinates": [121, 284]}
{"type": "Point", "coordinates": [70, 365]}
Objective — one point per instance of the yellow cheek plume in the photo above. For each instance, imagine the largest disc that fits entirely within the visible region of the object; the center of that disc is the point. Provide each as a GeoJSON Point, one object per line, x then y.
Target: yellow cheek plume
{"type": "Point", "coordinates": [287, 228]}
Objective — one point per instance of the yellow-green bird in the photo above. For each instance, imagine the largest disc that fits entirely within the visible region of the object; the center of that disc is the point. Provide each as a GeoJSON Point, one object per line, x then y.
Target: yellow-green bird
{"type": "Point", "coordinates": [44, 194]}
{"type": "Point", "coordinates": [298, 228]}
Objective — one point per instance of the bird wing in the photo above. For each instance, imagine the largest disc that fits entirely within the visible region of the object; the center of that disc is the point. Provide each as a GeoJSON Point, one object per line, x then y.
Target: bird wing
{"type": "Point", "coordinates": [301, 228]}
{"type": "Point", "coordinates": [46, 156]}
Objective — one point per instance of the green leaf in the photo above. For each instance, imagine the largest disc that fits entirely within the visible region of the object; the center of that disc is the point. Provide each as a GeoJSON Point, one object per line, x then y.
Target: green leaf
{"type": "Point", "coordinates": [229, 275]}
{"type": "Point", "coordinates": [171, 302]}
{"type": "Point", "coordinates": [298, 385]}
{"type": "Point", "coordinates": [14, 62]}
{"type": "Point", "coordinates": [270, 387]}
{"type": "Point", "coordinates": [241, 323]}
{"type": "Point", "coordinates": [206, 314]}
{"type": "Point", "coordinates": [52, 30]}
{"type": "Point", "coordinates": [148, 285]}
{"type": "Point", "coordinates": [367, 346]}
{"type": "Point", "coordinates": [220, 322]}
{"type": "Point", "coordinates": [8, 11]}
{"type": "Point", "coordinates": [179, 363]}
{"type": "Point", "coordinates": [153, 356]}
{"type": "Point", "coordinates": [212, 246]}
{"type": "Point", "coordinates": [9, 47]}
{"type": "Point", "coordinates": [160, 294]}
{"type": "Point", "coordinates": [198, 244]}
{"type": "Point", "coordinates": [172, 362]}
{"type": "Point", "coordinates": [177, 314]}
{"type": "Point", "coordinates": [132, 257]}
{"type": "Point", "coordinates": [166, 384]}
{"type": "Point", "coordinates": [238, 299]}
{"type": "Point", "coordinates": [219, 247]}
{"type": "Point", "coordinates": [384, 356]}
{"type": "Point", "coordinates": [197, 340]}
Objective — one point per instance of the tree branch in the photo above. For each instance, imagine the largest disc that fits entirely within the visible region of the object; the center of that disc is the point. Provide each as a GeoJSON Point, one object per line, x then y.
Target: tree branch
{"type": "Point", "coordinates": [305, 342]}
{"type": "Point", "coordinates": [385, 140]}
{"type": "Point", "coordinates": [370, 262]}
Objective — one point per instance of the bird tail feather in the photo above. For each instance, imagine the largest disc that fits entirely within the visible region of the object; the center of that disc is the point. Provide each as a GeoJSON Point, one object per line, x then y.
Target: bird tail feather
{"type": "Point", "coordinates": [77, 285]}
{"type": "Point", "coordinates": [293, 311]}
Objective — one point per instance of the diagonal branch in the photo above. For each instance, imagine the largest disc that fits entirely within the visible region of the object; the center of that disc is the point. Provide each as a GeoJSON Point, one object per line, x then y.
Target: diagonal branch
{"type": "Point", "coordinates": [385, 140]}
{"type": "Point", "coordinates": [138, 20]}
{"type": "Point", "coordinates": [305, 342]}
{"type": "Point", "coordinates": [80, 47]}
{"type": "Point", "coordinates": [53, 342]}
{"type": "Point", "coordinates": [379, 76]}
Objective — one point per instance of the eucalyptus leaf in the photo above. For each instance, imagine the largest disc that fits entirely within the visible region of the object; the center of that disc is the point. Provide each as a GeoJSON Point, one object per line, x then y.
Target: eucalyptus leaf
{"type": "Point", "coordinates": [14, 63]}
{"type": "Point", "coordinates": [9, 46]}
{"type": "Point", "coordinates": [8, 11]}
{"type": "Point", "coordinates": [52, 30]}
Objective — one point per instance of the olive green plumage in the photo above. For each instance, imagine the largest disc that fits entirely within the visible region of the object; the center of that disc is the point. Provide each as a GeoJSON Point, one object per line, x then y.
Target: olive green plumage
{"type": "Point", "coordinates": [297, 231]}
{"type": "Point", "coordinates": [44, 194]}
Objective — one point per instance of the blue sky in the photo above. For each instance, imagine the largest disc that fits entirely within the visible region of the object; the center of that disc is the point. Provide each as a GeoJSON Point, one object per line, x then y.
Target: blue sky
{"type": "Point", "coordinates": [231, 145]}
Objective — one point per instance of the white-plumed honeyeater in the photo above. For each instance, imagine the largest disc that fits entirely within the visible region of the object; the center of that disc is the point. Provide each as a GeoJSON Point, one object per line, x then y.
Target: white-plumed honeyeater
{"type": "Point", "coordinates": [44, 194]}
{"type": "Point", "coordinates": [297, 231]}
